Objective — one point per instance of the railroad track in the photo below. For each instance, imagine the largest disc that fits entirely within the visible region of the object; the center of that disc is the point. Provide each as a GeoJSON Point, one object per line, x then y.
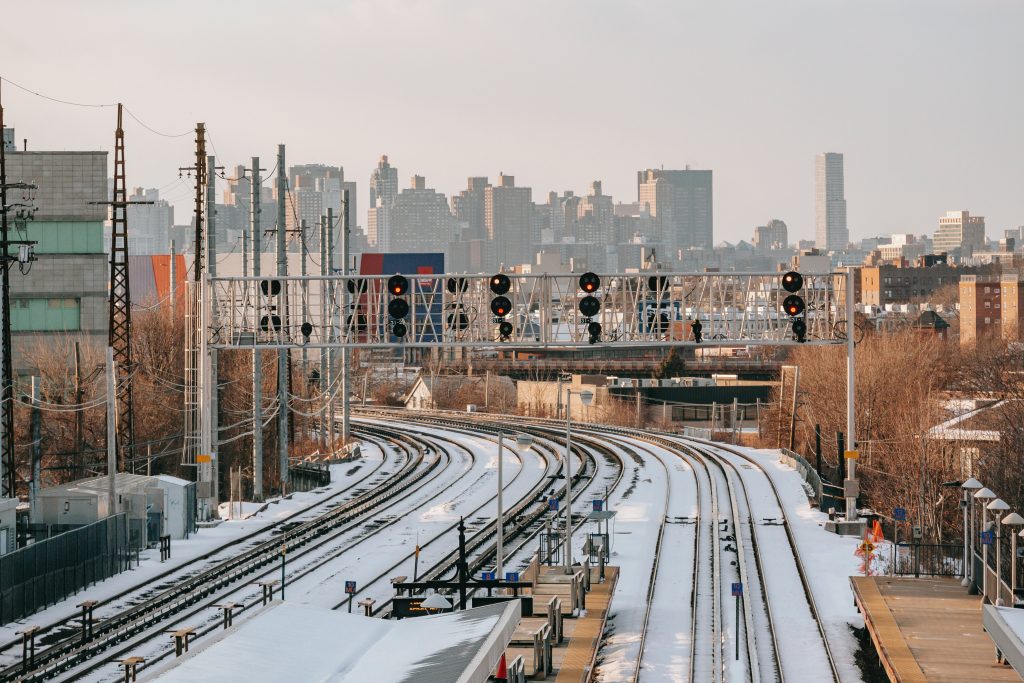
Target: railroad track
{"type": "Point", "coordinates": [703, 453]}
{"type": "Point", "coordinates": [71, 652]}
{"type": "Point", "coordinates": [314, 556]}
{"type": "Point", "coordinates": [750, 569]}
{"type": "Point", "coordinates": [213, 623]}
{"type": "Point", "coordinates": [53, 631]}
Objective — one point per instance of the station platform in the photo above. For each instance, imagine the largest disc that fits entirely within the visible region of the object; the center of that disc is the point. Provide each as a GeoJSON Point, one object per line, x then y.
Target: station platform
{"type": "Point", "coordinates": [573, 655]}
{"type": "Point", "coordinates": [928, 630]}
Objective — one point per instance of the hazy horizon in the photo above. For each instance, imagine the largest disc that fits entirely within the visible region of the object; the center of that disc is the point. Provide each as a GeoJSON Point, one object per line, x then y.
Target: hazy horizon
{"type": "Point", "coordinates": [920, 97]}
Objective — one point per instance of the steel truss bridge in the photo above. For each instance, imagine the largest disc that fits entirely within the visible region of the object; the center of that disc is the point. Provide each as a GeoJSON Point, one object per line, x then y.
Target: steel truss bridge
{"type": "Point", "coordinates": [648, 309]}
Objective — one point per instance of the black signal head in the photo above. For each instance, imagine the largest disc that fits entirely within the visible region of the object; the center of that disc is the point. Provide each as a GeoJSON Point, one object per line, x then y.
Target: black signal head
{"type": "Point", "coordinates": [792, 281]}
{"type": "Point", "coordinates": [793, 305]}
{"type": "Point", "coordinates": [500, 284]}
{"type": "Point", "coordinates": [398, 285]}
{"type": "Point", "coordinates": [590, 282]}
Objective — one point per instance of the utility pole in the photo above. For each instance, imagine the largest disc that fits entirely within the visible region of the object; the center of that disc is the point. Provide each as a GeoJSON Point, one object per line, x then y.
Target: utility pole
{"type": "Point", "coordinates": [304, 271]}
{"type": "Point", "coordinates": [324, 383]}
{"type": "Point", "coordinates": [850, 487]}
{"type": "Point", "coordinates": [37, 453]}
{"type": "Point", "coordinates": [111, 430]}
{"type": "Point", "coordinates": [345, 408]}
{"type": "Point", "coordinates": [211, 429]}
{"type": "Point", "coordinates": [331, 336]}
{"type": "Point", "coordinates": [79, 414]}
{"type": "Point", "coordinates": [196, 443]}
{"type": "Point", "coordinates": [23, 211]}
{"type": "Point", "coordinates": [173, 284]}
{"type": "Point", "coordinates": [282, 354]}
{"type": "Point", "coordinates": [257, 361]}
{"type": "Point", "coordinates": [119, 329]}
{"type": "Point", "coordinates": [792, 416]}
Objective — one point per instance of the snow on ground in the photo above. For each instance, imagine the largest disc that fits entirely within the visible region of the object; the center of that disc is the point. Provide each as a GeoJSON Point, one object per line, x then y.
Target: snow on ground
{"type": "Point", "coordinates": [429, 517]}
{"type": "Point", "coordinates": [799, 641]}
{"type": "Point", "coordinates": [668, 646]}
{"type": "Point", "coordinates": [829, 560]}
{"type": "Point", "coordinates": [639, 503]}
{"type": "Point", "coordinates": [344, 477]}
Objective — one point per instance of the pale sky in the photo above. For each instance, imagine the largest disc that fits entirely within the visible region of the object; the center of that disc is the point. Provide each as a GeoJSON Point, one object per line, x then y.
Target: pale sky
{"type": "Point", "coordinates": [924, 97]}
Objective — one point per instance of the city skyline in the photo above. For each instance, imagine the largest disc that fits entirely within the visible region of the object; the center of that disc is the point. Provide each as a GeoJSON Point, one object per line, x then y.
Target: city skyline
{"type": "Point", "coordinates": [756, 117]}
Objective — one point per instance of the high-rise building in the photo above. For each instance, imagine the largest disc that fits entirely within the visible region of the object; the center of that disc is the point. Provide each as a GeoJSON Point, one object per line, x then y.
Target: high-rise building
{"type": "Point", "coordinates": [959, 231]}
{"type": "Point", "coordinates": [831, 233]}
{"type": "Point", "coordinates": [420, 220]}
{"type": "Point", "coordinates": [681, 204]}
{"type": "Point", "coordinates": [508, 219]}
{"type": "Point", "coordinates": [596, 215]}
{"type": "Point", "coordinates": [64, 293]}
{"type": "Point", "coordinates": [468, 208]}
{"type": "Point", "coordinates": [149, 225]}
{"type": "Point", "coordinates": [233, 214]}
{"type": "Point", "coordinates": [773, 235]}
{"type": "Point", "coordinates": [383, 190]}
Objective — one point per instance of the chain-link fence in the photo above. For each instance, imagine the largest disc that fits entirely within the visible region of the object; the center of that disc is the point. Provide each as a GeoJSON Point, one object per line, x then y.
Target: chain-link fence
{"type": "Point", "coordinates": [46, 572]}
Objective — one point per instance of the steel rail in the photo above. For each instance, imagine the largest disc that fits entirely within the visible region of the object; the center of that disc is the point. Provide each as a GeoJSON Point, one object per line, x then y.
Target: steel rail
{"type": "Point", "coordinates": [268, 530]}
{"type": "Point", "coordinates": [71, 652]}
{"type": "Point", "coordinates": [316, 564]}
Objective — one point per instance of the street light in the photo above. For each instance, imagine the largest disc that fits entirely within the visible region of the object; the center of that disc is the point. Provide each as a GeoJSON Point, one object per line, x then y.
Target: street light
{"type": "Point", "coordinates": [969, 487]}
{"type": "Point", "coordinates": [1013, 519]}
{"type": "Point", "coordinates": [998, 507]}
{"type": "Point", "coordinates": [523, 441]}
{"type": "Point", "coordinates": [587, 397]}
{"type": "Point", "coordinates": [984, 495]}
{"type": "Point", "coordinates": [436, 601]}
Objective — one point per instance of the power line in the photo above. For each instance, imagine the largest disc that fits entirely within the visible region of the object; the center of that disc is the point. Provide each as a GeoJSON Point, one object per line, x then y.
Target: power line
{"type": "Point", "coordinates": [55, 99]}
{"type": "Point", "coordinates": [154, 131]}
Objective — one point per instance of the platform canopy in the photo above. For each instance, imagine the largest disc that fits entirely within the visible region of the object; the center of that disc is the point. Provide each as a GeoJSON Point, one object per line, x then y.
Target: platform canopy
{"type": "Point", "coordinates": [286, 641]}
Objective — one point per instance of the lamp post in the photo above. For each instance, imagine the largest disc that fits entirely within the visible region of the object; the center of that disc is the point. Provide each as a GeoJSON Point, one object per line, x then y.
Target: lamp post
{"type": "Point", "coordinates": [1013, 520]}
{"type": "Point", "coordinates": [587, 397]}
{"type": "Point", "coordinates": [969, 487]}
{"type": "Point", "coordinates": [984, 495]}
{"type": "Point", "coordinates": [436, 602]}
{"type": "Point", "coordinates": [998, 507]}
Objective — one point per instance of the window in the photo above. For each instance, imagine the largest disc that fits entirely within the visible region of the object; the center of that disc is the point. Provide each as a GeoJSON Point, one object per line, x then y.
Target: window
{"type": "Point", "coordinates": [988, 290]}
{"type": "Point", "coordinates": [46, 315]}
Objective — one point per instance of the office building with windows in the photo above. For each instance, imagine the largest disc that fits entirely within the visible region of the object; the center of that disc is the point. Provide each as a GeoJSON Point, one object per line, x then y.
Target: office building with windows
{"type": "Point", "coordinates": [62, 296]}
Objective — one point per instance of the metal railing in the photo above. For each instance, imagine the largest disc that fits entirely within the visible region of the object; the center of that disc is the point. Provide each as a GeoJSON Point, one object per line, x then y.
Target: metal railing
{"type": "Point", "coordinates": [919, 559]}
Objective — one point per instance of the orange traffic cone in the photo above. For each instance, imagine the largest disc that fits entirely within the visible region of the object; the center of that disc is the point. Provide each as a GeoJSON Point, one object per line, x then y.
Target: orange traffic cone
{"type": "Point", "coordinates": [501, 673]}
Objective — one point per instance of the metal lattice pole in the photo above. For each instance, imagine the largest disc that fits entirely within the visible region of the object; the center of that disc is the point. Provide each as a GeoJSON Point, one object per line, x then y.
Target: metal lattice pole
{"type": "Point", "coordinates": [120, 320]}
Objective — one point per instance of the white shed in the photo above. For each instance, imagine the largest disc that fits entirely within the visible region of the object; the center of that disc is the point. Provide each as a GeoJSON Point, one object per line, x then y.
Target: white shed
{"type": "Point", "coordinates": [8, 524]}
{"type": "Point", "coordinates": [179, 505]}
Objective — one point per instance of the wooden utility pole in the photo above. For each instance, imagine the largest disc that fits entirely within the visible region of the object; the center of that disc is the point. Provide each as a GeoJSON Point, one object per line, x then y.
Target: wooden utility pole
{"type": "Point", "coordinates": [79, 460]}
{"type": "Point", "coordinates": [24, 210]}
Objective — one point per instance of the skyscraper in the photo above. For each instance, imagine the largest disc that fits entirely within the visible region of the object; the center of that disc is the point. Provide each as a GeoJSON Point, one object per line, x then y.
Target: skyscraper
{"type": "Point", "coordinates": [508, 219]}
{"type": "Point", "coordinates": [383, 190]}
{"type": "Point", "coordinates": [831, 233]}
{"type": "Point", "coordinates": [681, 204]}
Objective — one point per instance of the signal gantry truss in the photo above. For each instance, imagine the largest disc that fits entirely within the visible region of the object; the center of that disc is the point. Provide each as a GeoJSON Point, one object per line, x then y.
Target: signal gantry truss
{"type": "Point", "coordinates": [459, 310]}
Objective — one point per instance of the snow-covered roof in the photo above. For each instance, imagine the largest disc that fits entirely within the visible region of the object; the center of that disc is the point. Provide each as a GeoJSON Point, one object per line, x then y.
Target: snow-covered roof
{"type": "Point", "coordinates": [292, 642]}
{"type": "Point", "coordinates": [124, 482]}
{"type": "Point", "coordinates": [950, 431]}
